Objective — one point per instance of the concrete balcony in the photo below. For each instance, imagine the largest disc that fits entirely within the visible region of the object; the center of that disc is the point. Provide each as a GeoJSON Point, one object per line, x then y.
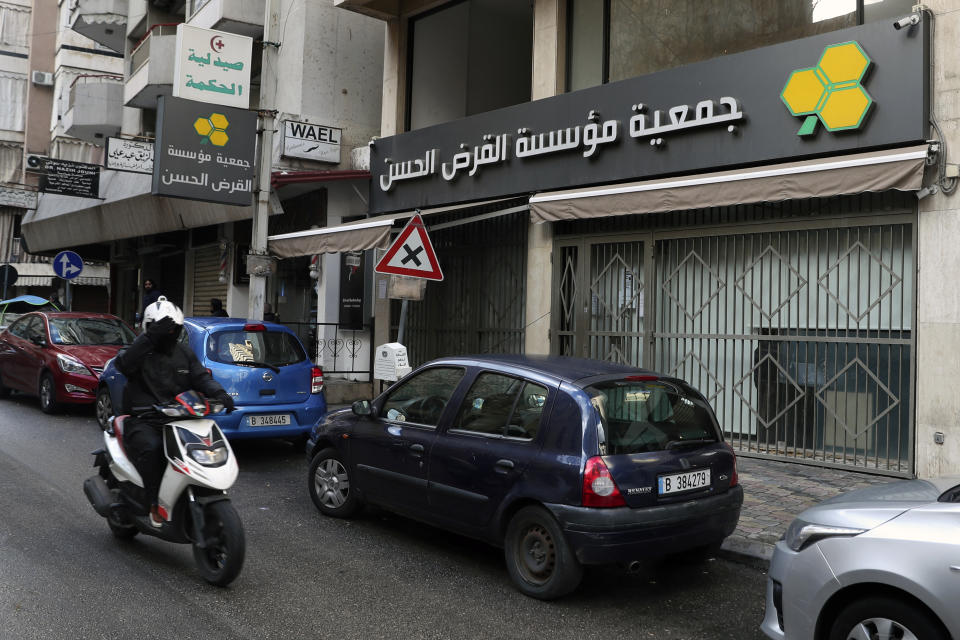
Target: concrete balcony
{"type": "Point", "coordinates": [243, 17]}
{"type": "Point", "coordinates": [103, 21]}
{"type": "Point", "coordinates": [150, 72]}
{"type": "Point", "coordinates": [386, 9]}
{"type": "Point", "coordinates": [95, 108]}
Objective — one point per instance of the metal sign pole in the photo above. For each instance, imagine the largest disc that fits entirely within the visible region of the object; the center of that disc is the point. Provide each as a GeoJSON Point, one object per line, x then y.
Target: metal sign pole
{"type": "Point", "coordinates": [403, 320]}
{"type": "Point", "coordinates": [258, 263]}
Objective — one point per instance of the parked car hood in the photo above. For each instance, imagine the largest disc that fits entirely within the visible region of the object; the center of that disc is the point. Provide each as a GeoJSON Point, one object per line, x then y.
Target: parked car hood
{"type": "Point", "coordinates": [90, 355]}
{"type": "Point", "coordinates": [870, 507]}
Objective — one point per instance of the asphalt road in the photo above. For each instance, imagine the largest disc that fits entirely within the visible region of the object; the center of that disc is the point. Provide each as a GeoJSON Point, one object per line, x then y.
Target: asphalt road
{"type": "Point", "coordinates": [63, 575]}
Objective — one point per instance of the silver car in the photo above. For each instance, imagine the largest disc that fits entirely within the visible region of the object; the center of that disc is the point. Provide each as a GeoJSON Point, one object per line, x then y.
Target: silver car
{"type": "Point", "coordinates": [874, 564]}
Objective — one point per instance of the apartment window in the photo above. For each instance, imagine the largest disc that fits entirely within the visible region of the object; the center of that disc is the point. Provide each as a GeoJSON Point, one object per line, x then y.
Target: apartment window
{"type": "Point", "coordinates": [469, 57]}
{"type": "Point", "coordinates": [14, 27]}
{"type": "Point", "coordinates": [610, 40]}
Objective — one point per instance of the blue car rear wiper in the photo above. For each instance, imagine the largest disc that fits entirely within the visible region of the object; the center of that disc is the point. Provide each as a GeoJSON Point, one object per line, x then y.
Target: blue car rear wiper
{"type": "Point", "coordinates": [261, 365]}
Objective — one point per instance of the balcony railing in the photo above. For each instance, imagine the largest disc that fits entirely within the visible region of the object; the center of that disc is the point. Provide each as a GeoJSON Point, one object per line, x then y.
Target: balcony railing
{"type": "Point", "coordinates": [141, 52]}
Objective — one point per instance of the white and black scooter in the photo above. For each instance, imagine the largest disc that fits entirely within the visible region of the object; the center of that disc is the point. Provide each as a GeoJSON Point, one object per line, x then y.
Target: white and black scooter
{"type": "Point", "coordinates": [193, 500]}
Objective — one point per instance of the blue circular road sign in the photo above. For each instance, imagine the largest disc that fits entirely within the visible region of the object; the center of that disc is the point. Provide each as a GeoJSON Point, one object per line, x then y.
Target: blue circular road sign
{"type": "Point", "coordinates": [67, 265]}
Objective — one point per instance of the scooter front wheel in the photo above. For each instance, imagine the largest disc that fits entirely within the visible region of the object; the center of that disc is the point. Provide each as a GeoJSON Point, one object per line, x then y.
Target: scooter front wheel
{"type": "Point", "coordinates": [221, 560]}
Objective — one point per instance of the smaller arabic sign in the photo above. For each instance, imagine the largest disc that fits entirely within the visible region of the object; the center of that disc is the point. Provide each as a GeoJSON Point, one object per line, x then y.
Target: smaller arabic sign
{"type": "Point", "coordinates": [311, 141]}
{"type": "Point", "coordinates": [21, 198]}
{"type": "Point", "coordinates": [204, 152]}
{"type": "Point", "coordinates": [129, 155]}
{"type": "Point", "coordinates": [212, 66]}
{"type": "Point", "coordinates": [66, 178]}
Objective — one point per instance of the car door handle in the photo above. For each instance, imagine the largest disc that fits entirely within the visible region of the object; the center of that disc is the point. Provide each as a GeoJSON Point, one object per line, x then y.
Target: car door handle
{"type": "Point", "coordinates": [955, 567]}
{"type": "Point", "coordinates": [417, 450]}
{"type": "Point", "coordinates": [504, 466]}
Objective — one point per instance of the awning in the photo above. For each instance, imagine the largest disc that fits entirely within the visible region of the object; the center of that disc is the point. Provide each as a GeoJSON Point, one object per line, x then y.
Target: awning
{"type": "Point", "coordinates": [370, 233]}
{"type": "Point", "coordinates": [900, 169]}
{"type": "Point", "coordinates": [127, 211]}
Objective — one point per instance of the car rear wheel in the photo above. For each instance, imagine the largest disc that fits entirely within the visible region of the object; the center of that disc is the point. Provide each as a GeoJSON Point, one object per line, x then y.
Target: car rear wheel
{"type": "Point", "coordinates": [539, 560]}
{"type": "Point", "coordinates": [330, 485]}
{"type": "Point", "coordinates": [883, 617]}
{"type": "Point", "coordinates": [104, 408]}
{"type": "Point", "coordinates": [4, 390]}
{"type": "Point", "coordinates": [48, 394]}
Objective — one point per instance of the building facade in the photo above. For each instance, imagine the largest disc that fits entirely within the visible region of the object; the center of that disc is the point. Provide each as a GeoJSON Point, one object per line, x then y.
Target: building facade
{"type": "Point", "coordinates": [755, 197]}
{"type": "Point", "coordinates": [324, 86]}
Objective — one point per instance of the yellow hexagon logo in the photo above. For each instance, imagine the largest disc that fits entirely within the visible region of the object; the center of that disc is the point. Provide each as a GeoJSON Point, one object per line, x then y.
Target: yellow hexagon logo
{"type": "Point", "coordinates": [213, 129]}
{"type": "Point", "coordinates": [803, 91]}
{"type": "Point", "coordinates": [845, 108]}
{"type": "Point", "coordinates": [844, 62]}
{"type": "Point", "coordinates": [203, 127]}
{"type": "Point", "coordinates": [218, 138]}
{"type": "Point", "coordinates": [219, 121]}
{"type": "Point", "coordinates": [830, 92]}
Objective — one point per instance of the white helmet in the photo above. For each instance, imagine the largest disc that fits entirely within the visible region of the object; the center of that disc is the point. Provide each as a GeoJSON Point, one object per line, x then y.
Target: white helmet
{"type": "Point", "coordinates": [160, 309]}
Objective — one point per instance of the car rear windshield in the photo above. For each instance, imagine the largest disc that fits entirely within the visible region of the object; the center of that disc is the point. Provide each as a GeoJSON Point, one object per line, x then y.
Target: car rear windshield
{"type": "Point", "coordinates": [276, 348]}
{"type": "Point", "coordinates": [90, 331]}
{"type": "Point", "coordinates": [639, 417]}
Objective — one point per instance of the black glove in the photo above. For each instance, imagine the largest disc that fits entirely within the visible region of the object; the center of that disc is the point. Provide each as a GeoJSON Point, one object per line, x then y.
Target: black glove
{"type": "Point", "coordinates": [162, 327]}
{"type": "Point", "coordinates": [227, 401]}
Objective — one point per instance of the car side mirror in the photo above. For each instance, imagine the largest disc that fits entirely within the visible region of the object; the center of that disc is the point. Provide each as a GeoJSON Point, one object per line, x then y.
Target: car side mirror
{"type": "Point", "coordinates": [362, 408]}
{"type": "Point", "coordinates": [38, 340]}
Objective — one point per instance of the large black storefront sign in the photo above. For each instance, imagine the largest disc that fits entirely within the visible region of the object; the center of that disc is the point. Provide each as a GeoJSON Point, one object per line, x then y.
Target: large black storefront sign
{"type": "Point", "coordinates": [351, 290]}
{"type": "Point", "coordinates": [205, 152]}
{"type": "Point", "coordinates": [851, 90]}
{"type": "Point", "coordinates": [70, 178]}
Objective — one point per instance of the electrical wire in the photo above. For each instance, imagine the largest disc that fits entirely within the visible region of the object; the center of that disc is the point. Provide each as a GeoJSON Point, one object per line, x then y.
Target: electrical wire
{"type": "Point", "coordinates": [947, 185]}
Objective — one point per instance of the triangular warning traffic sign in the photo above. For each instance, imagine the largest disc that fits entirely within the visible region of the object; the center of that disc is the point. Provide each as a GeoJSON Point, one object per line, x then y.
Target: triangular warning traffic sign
{"type": "Point", "coordinates": [411, 254]}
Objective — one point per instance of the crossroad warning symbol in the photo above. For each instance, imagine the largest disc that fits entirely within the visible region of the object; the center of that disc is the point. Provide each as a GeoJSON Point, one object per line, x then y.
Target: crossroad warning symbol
{"type": "Point", "coordinates": [411, 254]}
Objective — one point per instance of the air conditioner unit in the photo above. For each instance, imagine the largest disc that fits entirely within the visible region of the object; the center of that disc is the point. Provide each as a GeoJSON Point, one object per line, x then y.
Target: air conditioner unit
{"type": "Point", "coordinates": [42, 78]}
{"type": "Point", "coordinates": [36, 163]}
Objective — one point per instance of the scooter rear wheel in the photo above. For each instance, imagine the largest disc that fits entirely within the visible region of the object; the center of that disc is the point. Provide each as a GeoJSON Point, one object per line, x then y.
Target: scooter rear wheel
{"type": "Point", "coordinates": [222, 559]}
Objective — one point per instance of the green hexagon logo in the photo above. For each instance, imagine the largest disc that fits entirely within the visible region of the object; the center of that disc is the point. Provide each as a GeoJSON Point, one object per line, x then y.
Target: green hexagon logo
{"type": "Point", "coordinates": [830, 92]}
{"type": "Point", "coordinates": [213, 129]}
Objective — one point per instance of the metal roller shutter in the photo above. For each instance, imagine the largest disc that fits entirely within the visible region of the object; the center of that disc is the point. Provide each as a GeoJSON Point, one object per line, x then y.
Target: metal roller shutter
{"type": "Point", "coordinates": [206, 283]}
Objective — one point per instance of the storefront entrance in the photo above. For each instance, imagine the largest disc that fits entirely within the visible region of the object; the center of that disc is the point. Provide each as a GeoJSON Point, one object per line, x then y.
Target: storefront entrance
{"type": "Point", "coordinates": [798, 332]}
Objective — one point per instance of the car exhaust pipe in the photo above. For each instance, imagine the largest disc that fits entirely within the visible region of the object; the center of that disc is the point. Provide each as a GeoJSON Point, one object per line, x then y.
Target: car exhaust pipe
{"type": "Point", "coordinates": [98, 494]}
{"type": "Point", "coordinates": [634, 566]}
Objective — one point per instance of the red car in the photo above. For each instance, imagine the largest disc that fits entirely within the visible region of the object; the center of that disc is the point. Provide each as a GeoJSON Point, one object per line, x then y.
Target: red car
{"type": "Point", "coordinates": [59, 356]}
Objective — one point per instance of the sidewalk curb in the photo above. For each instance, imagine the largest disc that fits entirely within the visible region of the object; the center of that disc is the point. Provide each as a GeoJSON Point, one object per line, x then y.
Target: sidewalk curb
{"type": "Point", "coordinates": [745, 551]}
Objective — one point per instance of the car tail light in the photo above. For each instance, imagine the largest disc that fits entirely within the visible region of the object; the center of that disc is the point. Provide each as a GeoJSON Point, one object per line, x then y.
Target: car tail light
{"type": "Point", "coordinates": [599, 489]}
{"type": "Point", "coordinates": [642, 378]}
{"type": "Point", "coordinates": [254, 327]}
{"type": "Point", "coordinates": [734, 478]}
{"type": "Point", "coordinates": [316, 380]}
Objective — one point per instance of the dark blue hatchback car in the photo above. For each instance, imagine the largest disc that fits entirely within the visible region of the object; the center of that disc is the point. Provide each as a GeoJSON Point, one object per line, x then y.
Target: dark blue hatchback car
{"type": "Point", "coordinates": [563, 462]}
{"type": "Point", "coordinates": [277, 389]}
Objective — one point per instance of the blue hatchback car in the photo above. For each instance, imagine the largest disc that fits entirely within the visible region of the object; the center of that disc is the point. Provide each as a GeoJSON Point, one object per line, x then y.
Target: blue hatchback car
{"type": "Point", "coordinates": [277, 389]}
{"type": "Point", "coordinates": [562, 462]}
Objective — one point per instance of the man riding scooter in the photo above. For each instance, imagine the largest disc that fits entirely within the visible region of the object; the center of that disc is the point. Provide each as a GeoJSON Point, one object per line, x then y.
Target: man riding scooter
{"type": "Point", "coordinates": [158, 367]}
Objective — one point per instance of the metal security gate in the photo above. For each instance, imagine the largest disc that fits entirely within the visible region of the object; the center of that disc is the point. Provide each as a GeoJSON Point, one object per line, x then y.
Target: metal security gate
{"type": "Point", "coordinates": [479, 305]}
{"type": "Point", "coordinates": [801, 338]}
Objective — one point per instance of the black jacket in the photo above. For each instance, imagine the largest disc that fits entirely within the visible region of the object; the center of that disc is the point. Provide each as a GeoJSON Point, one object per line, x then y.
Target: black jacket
{"type": "Point", "coordinates": [154, 377]}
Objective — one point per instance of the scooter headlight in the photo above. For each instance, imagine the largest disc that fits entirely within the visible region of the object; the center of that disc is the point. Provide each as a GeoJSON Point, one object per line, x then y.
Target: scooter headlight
{"type": "Point", "coordinates": [209, 457]}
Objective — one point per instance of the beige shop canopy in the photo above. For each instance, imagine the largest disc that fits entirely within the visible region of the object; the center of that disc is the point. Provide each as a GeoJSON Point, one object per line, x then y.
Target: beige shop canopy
{"type": "Point", "coordinates": [900, 169]}
{"type": "Point", "coordinates": [371, 233]}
